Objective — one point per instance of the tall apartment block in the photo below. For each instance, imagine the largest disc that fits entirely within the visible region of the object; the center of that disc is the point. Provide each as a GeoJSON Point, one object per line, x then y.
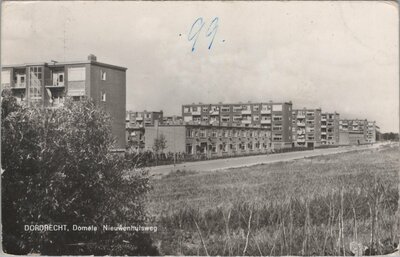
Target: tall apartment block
{"type": "Point", "coordinates": [274, 117]}
{"type": "Point", "coordinates": [330, 128]}
{"type": "Point", "coordinates": [306, 127]}
{"type": "Point", "coordinates": [143, 119]}
{"type": "Point", "coordinates": [48, 84]}
{"type": "Point", "coordinates": [372, 131]}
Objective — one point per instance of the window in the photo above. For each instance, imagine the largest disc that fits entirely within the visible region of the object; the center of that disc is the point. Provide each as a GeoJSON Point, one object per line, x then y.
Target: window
{"type": "Point", "coordinates": [103, 75]}
{"type": "Point", "coordinates": [225, 118]}
{"type": "Point", "coordinates": [76, 81]}
{"type": "Point", "coordinates": [35, 89]}
{"type": "Point", "coordinates": [256, 118]}
{"type": "Point", "coordinates": [186, 109]}
{"type": "Point", "coordinates": [226, 108]}
{"type": "Point", "coordinates": [202, 133]}
{"type": "Point", "coordinates": [277, 118]}
{"type": "Point", "coordinates": [103, 96]}
{"type": "Point", "coordinates": [277, 128]}
{"type": "Point", "coordinates": [205, 109]}
{"type": "Point", "coordinates": [188, 133]}
{"type": "Point", "coordinates": [256, 108]}
{"type": "Point", "coordinates": [189, 149]}
{"type": "Point", "coordinates": [61, 78]}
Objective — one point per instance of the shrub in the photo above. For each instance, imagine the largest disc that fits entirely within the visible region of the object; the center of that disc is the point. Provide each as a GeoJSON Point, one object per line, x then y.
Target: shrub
{"type": "Point", "coordinates": [58, 169]}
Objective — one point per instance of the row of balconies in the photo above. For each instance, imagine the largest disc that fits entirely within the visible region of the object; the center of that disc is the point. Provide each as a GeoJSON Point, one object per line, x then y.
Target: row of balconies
{"type": "Point", "coordinates": [217, 112]}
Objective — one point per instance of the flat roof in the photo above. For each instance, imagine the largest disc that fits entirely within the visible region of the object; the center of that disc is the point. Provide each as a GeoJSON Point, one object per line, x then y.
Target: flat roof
{"type": "Point", "coordinates": [205, 126]}
{"type": "Point", "coordinates": [60, 64]}
{"type": "Point", "coordinates": [238, 103]}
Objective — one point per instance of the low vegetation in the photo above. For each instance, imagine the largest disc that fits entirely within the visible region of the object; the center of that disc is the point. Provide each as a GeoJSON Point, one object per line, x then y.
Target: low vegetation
{"type": "Point", "coordinates": [342, 204]}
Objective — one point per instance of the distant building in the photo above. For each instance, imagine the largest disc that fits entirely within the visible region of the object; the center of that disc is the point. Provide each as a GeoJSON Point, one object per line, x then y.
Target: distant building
{"type": "Point", "coordinates": [172, 120]}
{"type": "Point", "coordinates": [353, 131]}
{"type": "Point", "coordinates": [306, 127]}
{"type": "Point", "coordinates": [330, 128]}
{"type": "Point", "coordinates": [143, 118]}
{"type": "Point", "coordinates": [273, 117]}
{"type": "Point", "coordinates": [210, 141]}
{"type": "Point", "coordinates": [48, 84]}
{"type": "Point", "coordinates": [372, 132]}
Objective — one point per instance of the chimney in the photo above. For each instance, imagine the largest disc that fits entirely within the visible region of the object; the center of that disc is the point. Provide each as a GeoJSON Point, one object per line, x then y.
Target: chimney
{"type": "Point", "coordinates": [92, 57]}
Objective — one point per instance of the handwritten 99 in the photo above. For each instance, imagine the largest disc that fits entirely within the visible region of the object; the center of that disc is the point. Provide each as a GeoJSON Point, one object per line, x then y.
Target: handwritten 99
{"type": "Point", "coordinates": [196, 28]}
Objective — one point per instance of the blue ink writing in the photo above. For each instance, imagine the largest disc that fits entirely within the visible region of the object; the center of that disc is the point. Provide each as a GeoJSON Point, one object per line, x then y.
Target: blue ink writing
{"type": "Point", "coordinates": [196, 28]}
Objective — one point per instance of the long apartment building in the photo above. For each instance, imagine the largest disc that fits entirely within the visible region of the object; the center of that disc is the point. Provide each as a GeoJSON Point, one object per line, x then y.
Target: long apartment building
{"type": "Point", "coordinates": [48, 85]}
{"type": "Point", "coordinates": [330, 128]}
{"type": "Point", "coordinates": [273, 117]}
{"type": "Point", "coordinates": [306, 127]}
{"type": "Point", "coordinates": [210, 141]}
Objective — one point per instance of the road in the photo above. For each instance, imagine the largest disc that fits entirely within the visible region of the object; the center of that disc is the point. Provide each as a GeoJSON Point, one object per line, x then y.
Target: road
{"type": "Point", "coordinates": [221, 164]}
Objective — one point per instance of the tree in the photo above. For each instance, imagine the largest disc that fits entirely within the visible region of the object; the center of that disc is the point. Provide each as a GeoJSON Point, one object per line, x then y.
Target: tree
{"type": "Point", "coordinates": [58, 169]}
{"type": "Point", "coordinates": [160, 143]}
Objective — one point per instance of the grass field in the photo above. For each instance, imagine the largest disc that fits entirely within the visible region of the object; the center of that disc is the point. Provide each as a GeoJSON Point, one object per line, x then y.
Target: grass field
{"type": "Point", "coordinates": [329, 205]}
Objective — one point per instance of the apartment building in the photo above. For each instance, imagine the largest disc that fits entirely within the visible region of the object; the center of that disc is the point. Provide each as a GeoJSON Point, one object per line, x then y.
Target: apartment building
{"type": "Point", "coordinates": [143, 118]}
{"type": "Point", "coordinates": [372, 131]}
{"type": "Point", "coordinates": [353, 131]}
{"type": "Point", "coordinates": [274, 117]}
{"type": "Point", "coordinates": [47, 85]}
{"type": "Point", "coordinates": [172, 120]}
{"type": "Point", "coordinates": [330, 128]}
{"type": "Point", "coordinates": [210, 141]}
{"type": "Point", "coordinates": [306, 127]}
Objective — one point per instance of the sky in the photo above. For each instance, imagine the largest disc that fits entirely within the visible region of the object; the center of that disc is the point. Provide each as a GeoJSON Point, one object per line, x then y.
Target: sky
{"type": "Point", "coordinates": [338, 56]}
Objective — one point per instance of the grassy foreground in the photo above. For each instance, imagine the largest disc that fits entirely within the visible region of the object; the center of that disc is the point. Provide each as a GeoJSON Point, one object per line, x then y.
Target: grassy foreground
{"type": "Point", "coordinates": [329, 205]}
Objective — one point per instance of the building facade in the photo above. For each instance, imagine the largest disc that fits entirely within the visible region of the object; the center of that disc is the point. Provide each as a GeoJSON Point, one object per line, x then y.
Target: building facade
{"type": "Point", "coordinates": [143, 119]}
{"type": "Point", "coordinates": [372, 132]}
{"type": "Point", "coordinates": [306, 127]}
{"type": "Point", "coordinates": [353, 131]}
{"type": "Point", "coordinates": [49, 84]}
{"type": "Point", "coordinates": [210, 141]}
{"type": "Point", "coordinates": [273, 117]}
{"type": "Point", "coordinates": [330, 128]}
{"type": "Point", "coordinates": [172, 120]}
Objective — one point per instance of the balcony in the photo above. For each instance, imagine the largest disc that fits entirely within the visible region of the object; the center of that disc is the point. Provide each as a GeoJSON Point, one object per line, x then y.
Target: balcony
{"type": "Point", "coordinates": [265, 121]}
{"type": "Point", "coordinates": [300, 124]}
{"type": "Point", "coordinates": [246, 111]}
{"type": "Point", "coordinates": [49, 83]}
{"type": "Point", "coordinates": [19, 85]}
{"type": "Point", "coordinates": [301, 116]}
{"type": "Point", "coordinates": [323, 126]}
{"type": "Point", "coordinates": [246, 121]}
{"type": "Point", "coordinates": [139, 118]}
{"type": "Point", "coordinates": [265, 111]}
{"type": "Point", "coordinates": [196, 113]}
{"type": "Point", "coordinates": [214, 112]}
